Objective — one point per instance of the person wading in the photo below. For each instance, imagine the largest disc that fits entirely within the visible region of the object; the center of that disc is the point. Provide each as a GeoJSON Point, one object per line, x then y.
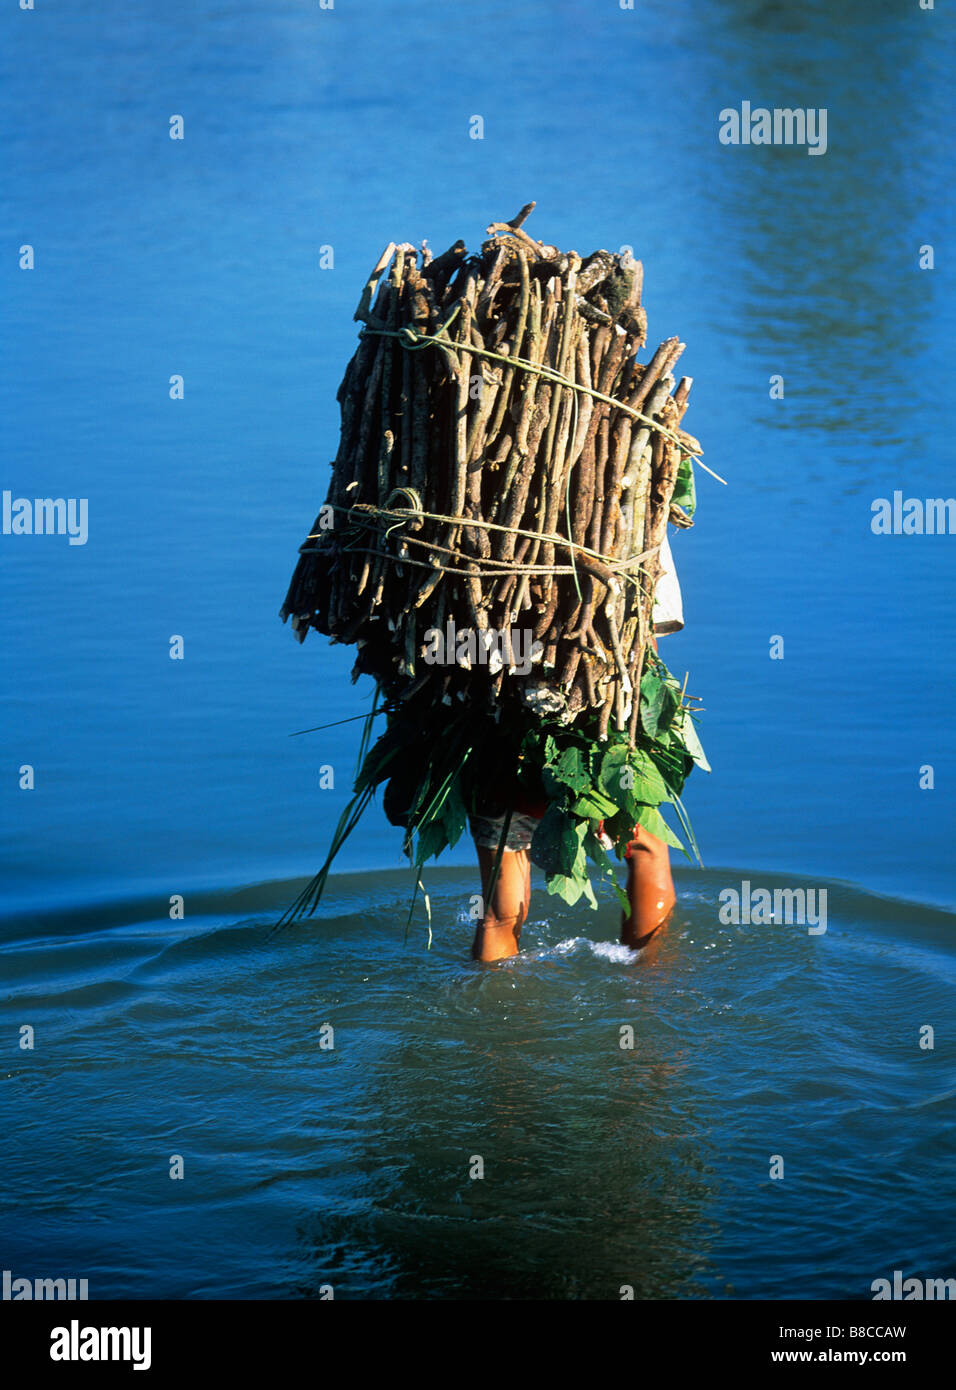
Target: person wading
{"type": "Point", "coordinates": [650, 887]}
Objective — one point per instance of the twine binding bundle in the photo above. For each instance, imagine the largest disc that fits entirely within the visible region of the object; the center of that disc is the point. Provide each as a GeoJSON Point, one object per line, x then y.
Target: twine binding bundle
{"type": "Point", "coordinates": [505, 471]}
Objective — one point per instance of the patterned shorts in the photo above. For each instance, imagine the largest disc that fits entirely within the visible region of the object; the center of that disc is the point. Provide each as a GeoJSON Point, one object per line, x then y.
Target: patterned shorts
{"type": "Point", "coordinates": [487, 832]}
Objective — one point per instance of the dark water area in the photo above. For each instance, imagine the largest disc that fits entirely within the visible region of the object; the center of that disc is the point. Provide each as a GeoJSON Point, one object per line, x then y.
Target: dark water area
{"type": "Point", "coordinates": [348, 1159]}
{"type": "Point", "coordinates": [649, 1167]}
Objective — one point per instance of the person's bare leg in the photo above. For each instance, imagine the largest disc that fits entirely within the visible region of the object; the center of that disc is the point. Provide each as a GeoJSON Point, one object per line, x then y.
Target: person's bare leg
{"type": "Point", "coordinates": [650, 889]}
{"type": "Point", "coordinates": [499, 930]}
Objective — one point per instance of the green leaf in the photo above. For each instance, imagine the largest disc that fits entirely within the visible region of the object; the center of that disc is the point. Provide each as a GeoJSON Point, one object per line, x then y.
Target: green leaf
{"type": "Point", "coordinates": [609, 778]}
{"type": "Point", "coordinates": [674, 764]}
{"type": "Point", "coordinates": [688, 830]}
{"type": "Point", "coordinates": [685, 493]}
{"type": "Point", "coordinates": [554, 789]}
{"type": "Point", "coordinates": [566, 887]}
{"type": "Point", "coordinates": [660, 699]}
{"type": "Point", "coordinates": [431, 841]}
{"type": "Point", "coordinates": [594, 805]}
{"type": "Point", "coordinates": [454, 813]}
{"type": "Point", "coordinates": [631, 776]}
{"type": "Point", "coordinates": [547, 841]}
{"type": "Point", "coordinates": [376, 760]}
{"type": "Point", "coordinates": [652, 699]}
{"type": "Point", "coordinates": [651, 819]}
{"type": "Point", "coordinates": [691, 741]}
{"type": "Point", "coordinates": [649, 785]}
{"type": "Point", "coordinates": [556, 845]}
{"type": "Point", "coordinates": [621, 830]}
{"type": "Point", "coordinates": [570, 770]}
{"type": "Point", "coordinates": [571, 887]}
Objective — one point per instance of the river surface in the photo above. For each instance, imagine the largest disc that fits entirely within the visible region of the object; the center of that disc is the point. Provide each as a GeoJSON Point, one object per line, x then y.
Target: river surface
{"type": "Point", "coordinates": [605, 1166]}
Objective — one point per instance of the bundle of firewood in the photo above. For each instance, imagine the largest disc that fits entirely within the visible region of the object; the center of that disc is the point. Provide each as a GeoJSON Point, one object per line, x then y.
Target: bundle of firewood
{"type": "Point", "coordinates": [503, 481]}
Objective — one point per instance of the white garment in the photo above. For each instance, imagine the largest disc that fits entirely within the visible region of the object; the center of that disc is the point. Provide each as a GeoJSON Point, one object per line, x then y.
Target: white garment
{"type": "Point", "coordinates": [668, 615]}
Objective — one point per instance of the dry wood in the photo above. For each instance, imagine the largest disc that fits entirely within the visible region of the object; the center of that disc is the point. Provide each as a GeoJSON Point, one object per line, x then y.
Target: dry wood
{"type": "Point", "coordinates": [482, 465]}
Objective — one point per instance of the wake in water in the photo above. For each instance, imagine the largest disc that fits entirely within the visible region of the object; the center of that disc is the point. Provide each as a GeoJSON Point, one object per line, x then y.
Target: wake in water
{"type": "Point", "coordinates": [612, 951]}
{"type": "Point", "coordinates": [329, 1087]}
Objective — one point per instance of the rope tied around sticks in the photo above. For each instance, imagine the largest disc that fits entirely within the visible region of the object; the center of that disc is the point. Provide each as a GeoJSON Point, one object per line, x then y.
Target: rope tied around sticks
{"type": "Point", "coordinates": [588, 441]}
{"type": "Point", "coordinates": [412, 339]}
{"type": "Point", "coordinates": [606, 568]}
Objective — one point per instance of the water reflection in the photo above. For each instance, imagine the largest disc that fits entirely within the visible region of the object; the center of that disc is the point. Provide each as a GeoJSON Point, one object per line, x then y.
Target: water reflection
{"type": "Point", "coordinates": [822, 253]}
{"type": "Point", "coordinates": [596, 1176]}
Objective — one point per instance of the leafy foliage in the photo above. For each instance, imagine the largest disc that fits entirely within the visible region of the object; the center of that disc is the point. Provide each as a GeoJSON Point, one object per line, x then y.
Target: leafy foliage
{"type": "Point", "coordinates": [439, 764]}
{"type": "Point", "coordinates": [685, 494]}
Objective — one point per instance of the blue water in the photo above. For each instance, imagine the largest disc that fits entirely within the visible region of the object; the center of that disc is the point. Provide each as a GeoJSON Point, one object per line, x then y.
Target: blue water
{"type": "Point", "coordinates": [308, 128]}
{"type": "Point", "coordinates": [645, 1166]}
